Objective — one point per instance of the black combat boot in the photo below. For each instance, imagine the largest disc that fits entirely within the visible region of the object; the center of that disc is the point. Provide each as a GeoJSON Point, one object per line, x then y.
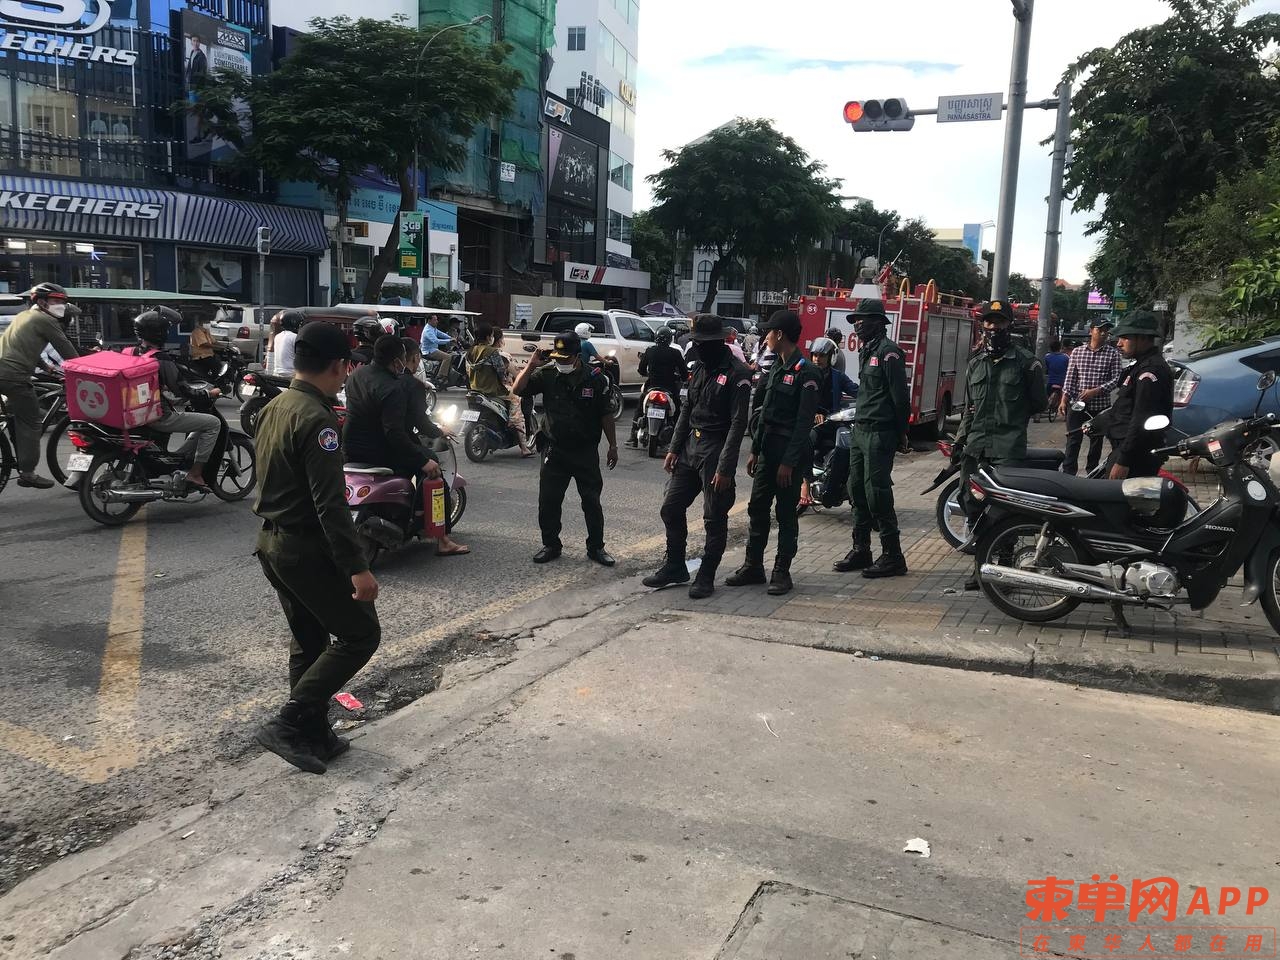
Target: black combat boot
{"type": "Point", "coordinates": [673, 570]}
{"type": "Point", "coordinates": [891, 563]}
{"type": "Point", "coordinates": [289, 736]}
{"type": "Point", "coordinates": [327, 744]}
{"type": "Point", "coordinates": [704, 584]}
{"type": "Point", "coordinates": [780, 581]}
{"type": "Point", "coordinates": [857, 558]}
{"type": "Point", "coordinates": [749, 574]}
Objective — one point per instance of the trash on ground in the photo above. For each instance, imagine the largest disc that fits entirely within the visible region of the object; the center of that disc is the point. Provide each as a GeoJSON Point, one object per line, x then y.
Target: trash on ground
{"type": "Point", "coordinates": [876, 659]}
{"type": "Point", "coordinates": [949, 591]}
{"type": "Point", "coordinates": [348, 725]}
{"type": "Point", "coordinates": [858, 653]}
{"type": "Point", "coordinates": [348, 701]}
{"type": "Point", "coordinates": [188, 834]}
{"type": "Point", "coordinates": [766, 724]}
{"type": "Point", "coordinates": [918, 845]}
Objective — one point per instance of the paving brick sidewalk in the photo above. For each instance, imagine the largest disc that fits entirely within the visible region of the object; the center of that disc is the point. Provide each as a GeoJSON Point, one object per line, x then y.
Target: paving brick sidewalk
{"type": "Point", "coordinates": [931, 598]}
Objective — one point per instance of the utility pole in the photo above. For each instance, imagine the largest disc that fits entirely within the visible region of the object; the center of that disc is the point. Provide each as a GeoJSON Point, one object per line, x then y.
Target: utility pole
{"type": "Point", "coordinates": [1022, 12]}
{"type": "Point", "coordinates": [1053, 232]}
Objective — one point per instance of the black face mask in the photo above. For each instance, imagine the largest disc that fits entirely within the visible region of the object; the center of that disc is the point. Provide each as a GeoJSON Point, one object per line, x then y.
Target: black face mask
{"type": "Point", "coordinates": [711, 352]}
{"type": "Point", "coordinates": [997, 342]}
{"type": "Point", "coordinates": [869, 332]}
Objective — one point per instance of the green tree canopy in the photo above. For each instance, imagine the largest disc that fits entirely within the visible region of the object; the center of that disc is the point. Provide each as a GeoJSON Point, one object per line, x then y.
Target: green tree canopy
{"type": "Point", "coordinates": [655, 250]}
{"type": "Point", "coordinates": [745, 192]}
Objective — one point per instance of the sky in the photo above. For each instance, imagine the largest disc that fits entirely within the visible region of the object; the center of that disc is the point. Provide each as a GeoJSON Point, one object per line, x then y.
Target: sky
{"type": "Point", "coordinates": [704, 62]}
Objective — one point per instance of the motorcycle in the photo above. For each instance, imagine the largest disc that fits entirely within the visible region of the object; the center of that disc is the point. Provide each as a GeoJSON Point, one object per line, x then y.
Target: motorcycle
{"type": "Point", "coordinates": [1048, 542]}
{"type": "Point", "coordinates": [608, 365]}
{"type": "Point", "coordinates": [487, 427]}
{"type": "Point", "coordinates": [388, 510]}
{"type": "Point", "coordinates": [454, 374]}
{"type": "Point", "coordinates": [658, 423]}
{"type": "Point", "coordinates": [116, 472]}
{"type": "Point", "coordinates": [257, 389]}
{"type": "Point", "coordinates": [829, 479]}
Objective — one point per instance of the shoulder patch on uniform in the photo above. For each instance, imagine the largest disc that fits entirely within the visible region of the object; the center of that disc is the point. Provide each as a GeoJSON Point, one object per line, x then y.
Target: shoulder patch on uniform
{"type": "Point", "coordinates": [722, 379]}
{"type": "Point", "coordinates": [788, 378]}
{"type": "Point", "coordinates": [874, 361]}
{"type": "Point", "coordinates": [1147, 376]}
{"type": "Point", "coordinates": [811, 385]}
{"type": "Point", "coordinates": [893, 356]}
{"type": "Point", "coordinates": [329, 439]}
{"type": "Point", "coordinates": [588, 392]}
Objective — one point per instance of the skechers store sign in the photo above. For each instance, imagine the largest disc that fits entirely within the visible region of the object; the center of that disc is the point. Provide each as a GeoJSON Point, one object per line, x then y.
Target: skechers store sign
{"type": "Point", "coordinates": [23, 27]}
{"type": "Point", "coordinates": [87, 206]}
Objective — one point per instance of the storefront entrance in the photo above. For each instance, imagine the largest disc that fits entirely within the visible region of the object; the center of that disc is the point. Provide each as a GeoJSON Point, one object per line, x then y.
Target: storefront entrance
{"type": "Point", "coordinates": [26, 261]}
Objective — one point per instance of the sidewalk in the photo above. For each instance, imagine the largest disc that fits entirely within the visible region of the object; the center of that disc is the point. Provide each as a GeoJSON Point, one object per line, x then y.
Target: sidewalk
{"type": "Point", "coordinates": [1228, 655]}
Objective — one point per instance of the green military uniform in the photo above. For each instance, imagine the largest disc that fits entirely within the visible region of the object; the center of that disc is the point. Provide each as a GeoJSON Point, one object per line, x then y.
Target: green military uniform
{"type": "Point", "coordinates": [574, 407]}
{"type": "Point", "coordinates": [884, 410]}
{"type": "Point", "coordinates": [308, 546]}
{"type": "Point", "coordinates": [781, 423]}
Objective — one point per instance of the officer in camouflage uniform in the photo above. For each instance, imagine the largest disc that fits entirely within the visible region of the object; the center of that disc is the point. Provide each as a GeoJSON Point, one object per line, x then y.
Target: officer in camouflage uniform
{"type": "Point", "coordinates": [575, 408]}
{"type": "Point", "coordinates": [1004, 389]}
{"type": "Point", "coordinates": [309, 550]}
{"type": "Point", "coordinates": [782, 418]}
{"type": "Point", "coordinates": [884, 409]}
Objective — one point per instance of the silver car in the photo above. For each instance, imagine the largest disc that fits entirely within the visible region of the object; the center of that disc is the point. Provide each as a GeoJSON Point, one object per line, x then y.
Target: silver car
{"type": "Point", "coordinates": [245, 327]}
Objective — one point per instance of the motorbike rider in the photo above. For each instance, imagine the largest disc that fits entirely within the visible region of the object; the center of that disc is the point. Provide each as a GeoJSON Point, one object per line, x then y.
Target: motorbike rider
{"type": "Point", "coordinates": [379, 427]}
{"type": "Point", "coordinates": [152, 330]}
{"type": "Point", "coordinates": [1005, 386]}
{"type": "Point", "coordinates": [663, 367]}
{"type": "Point", "coordinates": [589, 351]}
{"type": "Point", "coordinates": [1146, 390]}
{"type": "Point", "coordinates": [367, 330]}
{"type": "Point", "coordinates": [285, 341]}
{"type": "Point", "coordinates": [433, 343]}
{"type": "Point", "coordinates": [487, 373]}
{"type": "Point", "coordinates": [703, 456]}
{"type": "Point", "coordinates": [515, 406]}
{"type": "Point", "coordinates": [42, 325]}
{"type": "Point", "coordinates": [833, 387]}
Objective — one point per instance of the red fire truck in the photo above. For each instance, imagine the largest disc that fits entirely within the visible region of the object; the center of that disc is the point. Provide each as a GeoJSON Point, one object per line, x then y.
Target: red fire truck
{"type": "Point", "coordinates": [936, 331]}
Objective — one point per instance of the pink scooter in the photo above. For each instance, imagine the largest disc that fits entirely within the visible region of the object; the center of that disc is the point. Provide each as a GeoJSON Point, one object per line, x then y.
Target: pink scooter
{"type": "Point", "coordinates": [386, 509]}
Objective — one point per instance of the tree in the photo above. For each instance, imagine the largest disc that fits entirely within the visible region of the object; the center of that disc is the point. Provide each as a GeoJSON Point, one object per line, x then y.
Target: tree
{"type": "Point", "coordinates": [361, 93]}
{"type": "Point", "coordinates": [745, 192]}
{"type": "Point", "coordinates": [1161, 119]}
{"type": "Point", "coordinates": [655, 250]}
{"type": "Point", "coordinates": [1021, 290]}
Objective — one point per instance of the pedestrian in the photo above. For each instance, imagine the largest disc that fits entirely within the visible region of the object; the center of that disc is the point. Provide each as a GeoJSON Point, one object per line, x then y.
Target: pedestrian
{"type": "Point", "coordinates": [1092, 373]}
{"type": "Point", "coordinates": [576, 410]}
{"type": "Point", "coordinates": [1055, 371]}
{"type": "Point", "coordinates": [285, 342]}
{"type": "Point", "coordinates": [703, 456]}
{"type": "Point", "coordinates": [884, 410]}
{"type": "Point", "coordinates": [43, 325]}
{"type": "Point", "coordinates": [310, 552]}
{"type": "Point", "coordinates": [782, 415]}
{"type": "Point", "coordinates": [1146, 391]}
{"type": "Point", "coordinates": [1004, 387]}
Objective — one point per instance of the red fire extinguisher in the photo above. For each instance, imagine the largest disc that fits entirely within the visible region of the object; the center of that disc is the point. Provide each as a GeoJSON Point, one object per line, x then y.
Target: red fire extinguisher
{"type": "Point", "coordinates": [433, 509]}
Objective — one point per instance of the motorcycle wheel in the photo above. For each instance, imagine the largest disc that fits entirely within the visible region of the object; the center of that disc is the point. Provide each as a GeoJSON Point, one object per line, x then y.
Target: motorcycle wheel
{"type": "Point", "coordinates": [249, 415]}
{"type": "Point", "coordinates": [1012, 543]}
{"type": "Point", "coordinates": [1271, 592]}
{"type": "Point", "coordinates": [8, 463]}
{"type": "Point", "coordinates": [238, 472]}
{"type": "Point", "coordinates": [56, 450]}
{"type": "Point", "coordinates": [459, 500]}
{"type": "Point", "coordinates": [952, 522]}
{"type": "Point", "coordinates": [432, 399]}
{"type": "Point", "coordinates": [615, 403]}
{"type": "Point", "coordinates": [105, 469]}
{"type": "Point", "coordinates": [372, 548]}
{"type": "Point", "coordinates": [475, 442]}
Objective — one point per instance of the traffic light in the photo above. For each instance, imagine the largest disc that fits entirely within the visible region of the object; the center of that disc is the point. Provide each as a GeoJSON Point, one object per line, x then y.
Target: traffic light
{"type": "Point", "coordinates": [264, 240]}
{"type": "Point", "coordinates": [874, 115]}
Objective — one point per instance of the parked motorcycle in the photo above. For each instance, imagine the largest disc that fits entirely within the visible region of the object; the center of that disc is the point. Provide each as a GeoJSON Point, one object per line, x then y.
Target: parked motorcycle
{"type": "Point", "coordinates": [1049, 542]}
{"type": "Point", "coordinates": [117, 472]}
{"type": "Point", "coordinates": [829, 478]}
{"type": "Point", "coordinates": [487, 427]}
{"type": "Point", "coordinates": [388, 510]}
{"type": "Point", "coordinates": [658, 423]}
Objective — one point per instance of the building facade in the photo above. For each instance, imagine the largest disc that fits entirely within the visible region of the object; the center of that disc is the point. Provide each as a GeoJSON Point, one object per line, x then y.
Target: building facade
{"type": "Point", "coordinates": [103, 184]}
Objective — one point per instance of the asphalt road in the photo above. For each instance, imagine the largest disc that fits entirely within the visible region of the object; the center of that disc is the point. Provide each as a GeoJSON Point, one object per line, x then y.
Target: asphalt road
{"type": "Point", "coordinates": [138, 661]}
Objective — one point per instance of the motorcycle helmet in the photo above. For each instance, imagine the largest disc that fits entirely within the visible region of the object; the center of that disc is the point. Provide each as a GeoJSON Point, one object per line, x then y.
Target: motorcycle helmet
{"type": "Point", "coordinates": [152, 326]}
{"type": "Point", "coordinates": [390, 326]}
{"type": "Point", "coordinates": [822, 347]}
{"type": "Point", "coordinates": [46, 291]}
{"type": "Point", "coordinates": [368, 329]}
{"type": "Point", "coordinates": [584, 331]}
{"type": "Point", "coordinates": [291, 320]}
{"type": "Point", "coordinates": [663, 336]}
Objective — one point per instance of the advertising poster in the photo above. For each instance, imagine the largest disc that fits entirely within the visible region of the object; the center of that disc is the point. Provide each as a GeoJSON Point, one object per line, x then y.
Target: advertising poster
{"type": "Point", "coordinates": [413, 244]}
{"type": "Point", "coordinates": [574, 168]}
{"type": "Point", "coordinates": [210, 45]}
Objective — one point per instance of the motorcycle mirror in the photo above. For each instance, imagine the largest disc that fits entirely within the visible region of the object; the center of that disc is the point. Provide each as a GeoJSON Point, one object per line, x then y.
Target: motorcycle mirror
{"type": "Point", "coordinates": [1158, 422]}
{"type": "Point", "coordinates": [1267, 380]}
{"type": "Point", "coordinates": [1078, 407]}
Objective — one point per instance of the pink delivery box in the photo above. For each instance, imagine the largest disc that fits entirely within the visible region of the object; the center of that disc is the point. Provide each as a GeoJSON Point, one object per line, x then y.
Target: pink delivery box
{"type": "Point", "coordinates": [113, 389]}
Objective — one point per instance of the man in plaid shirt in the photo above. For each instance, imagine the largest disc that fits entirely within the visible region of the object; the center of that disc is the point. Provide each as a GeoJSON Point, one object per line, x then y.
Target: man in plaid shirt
{"type": "Point", "coordinates": [1092, 374]}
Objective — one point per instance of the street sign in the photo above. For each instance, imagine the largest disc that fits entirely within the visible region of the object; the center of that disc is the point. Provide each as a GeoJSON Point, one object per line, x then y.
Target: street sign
{"type": "Point", "coordinates": [1098, 300]}
{"type": "Point", "coordinates": [978, 106]}
{"type": "Point", "coordinates": [1161, 306]}
{"type": "Point", "coordinates": [507, 172]}
{"type": "Point", "coordinates": [1119, 299]}
{"type": "Point", "coordinates": [413, 241]}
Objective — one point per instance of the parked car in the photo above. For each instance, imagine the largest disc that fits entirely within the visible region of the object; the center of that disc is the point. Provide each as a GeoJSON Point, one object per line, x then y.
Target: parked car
{"type": "Point", "coordinates": [244, 326]}
{"type": "Point", "coordinates": [1217, 385]}
{"type": "Point", "coordinates": [619, 332]}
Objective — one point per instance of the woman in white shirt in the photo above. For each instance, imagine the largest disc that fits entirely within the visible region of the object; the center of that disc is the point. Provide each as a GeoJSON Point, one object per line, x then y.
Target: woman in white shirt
{"type": "Point", "coordinates": [282, 349]}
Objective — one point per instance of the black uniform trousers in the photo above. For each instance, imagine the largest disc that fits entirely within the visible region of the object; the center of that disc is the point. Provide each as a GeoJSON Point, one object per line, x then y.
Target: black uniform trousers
{"type": "Point", "coordinates": [316, 599]}
{"type": "Point", "coordinates": [871, 455]}
{"type": "Point", "coordinates": [1075, 439]}
{"type": "Point", "coordinates": [686, 482]}
{"type": "Point", "coordinates": [559, 466]}
{"type": "Point", "coordinates": [766, 492]}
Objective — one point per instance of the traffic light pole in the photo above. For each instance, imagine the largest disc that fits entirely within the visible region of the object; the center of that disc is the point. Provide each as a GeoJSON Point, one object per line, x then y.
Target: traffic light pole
{"type": "Point", "coordinates": [1053, 231]}
{"type": "Point", "coordinates": [1022, 12]}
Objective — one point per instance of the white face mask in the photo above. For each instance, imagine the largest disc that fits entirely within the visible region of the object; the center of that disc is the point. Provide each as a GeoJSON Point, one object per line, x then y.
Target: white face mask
{"type": "Point", "coordinates": [58, 310]}
{"type": "Point", "coordinates": [564, 367]}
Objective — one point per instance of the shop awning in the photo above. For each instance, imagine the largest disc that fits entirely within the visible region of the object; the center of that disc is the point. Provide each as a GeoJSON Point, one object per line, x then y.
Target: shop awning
{"type": "Point", "coordinates": [105, 210]}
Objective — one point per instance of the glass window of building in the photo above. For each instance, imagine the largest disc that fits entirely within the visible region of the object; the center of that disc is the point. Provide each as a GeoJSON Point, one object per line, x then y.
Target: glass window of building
{"type": "Point", "coordinates": [704, 275]}
{"type": "Point", "coordinates": [441, 267]}
{"type": "Point", "coordinates": [577, 38]}
{"type": "Point", "coordinates": [46, 117]}
{"type": "Point", "coordinates": [621, 172]}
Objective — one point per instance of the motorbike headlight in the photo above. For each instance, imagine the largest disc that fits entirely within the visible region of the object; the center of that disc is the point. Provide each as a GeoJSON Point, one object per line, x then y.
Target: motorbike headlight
{"type": "Point", "coordinates": [449, 414]}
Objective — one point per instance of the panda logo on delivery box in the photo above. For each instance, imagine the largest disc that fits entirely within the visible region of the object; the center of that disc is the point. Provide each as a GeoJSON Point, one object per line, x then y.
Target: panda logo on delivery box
{"type": "Point", "coordinates": [92, 399]}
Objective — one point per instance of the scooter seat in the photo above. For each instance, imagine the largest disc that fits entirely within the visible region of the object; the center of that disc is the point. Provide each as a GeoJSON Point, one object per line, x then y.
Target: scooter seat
{"type": "Point", "coordinates": [367, 468]}
{"type": "Point", "coordinates": [1061, 486]}
{"type": "Point", "coordinates": [1046, 455]}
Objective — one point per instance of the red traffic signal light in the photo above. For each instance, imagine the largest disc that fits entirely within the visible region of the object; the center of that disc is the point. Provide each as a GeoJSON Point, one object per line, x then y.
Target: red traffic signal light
{"type": "Point", "coordinates": [870, 115]}
{"type": "Point", "coordinates": [852, 111]}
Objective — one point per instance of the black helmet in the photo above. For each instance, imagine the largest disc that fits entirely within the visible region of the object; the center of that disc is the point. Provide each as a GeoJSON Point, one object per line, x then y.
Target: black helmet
{"type": "Point", "coordinates": [291, 320]}
{"type": "Point", "coordinates": [46, 291]}
{"type": "Point", "coordinates": [663, 336]}
{"type": "Point", "coordinates": [153, 325]}
{"type": "Point", "coordinates": [368, 329]}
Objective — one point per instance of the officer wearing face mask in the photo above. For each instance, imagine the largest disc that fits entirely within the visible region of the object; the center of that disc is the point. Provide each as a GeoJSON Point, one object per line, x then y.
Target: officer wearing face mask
{"type": "Point", "coordinates": [1004, 389]}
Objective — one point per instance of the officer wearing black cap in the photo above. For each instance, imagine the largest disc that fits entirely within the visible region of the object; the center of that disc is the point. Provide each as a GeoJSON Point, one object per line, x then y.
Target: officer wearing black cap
{"type": "Point", "coordinates": [1146, 390]}
{"type": "Point", "coordinates": [575, 409]}
{"type": "Point", "coordinates": [1004, 389]}
{"type": "Point", "coordinates": [309, 549]}
{"type": "Point", "coordinates": [703, 456]}
{"type": "Point", "coordinates": [782, 418]}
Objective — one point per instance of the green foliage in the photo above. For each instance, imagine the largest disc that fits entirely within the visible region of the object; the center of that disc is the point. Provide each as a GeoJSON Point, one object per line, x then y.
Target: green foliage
{"type": "Point", "coordinates": [745, 192]}
{"type": "Point", "coordinates": [1021, 290]}
{"type": "Point", "coordinates": [654, 249]}
{"type": "Point", "coordinates": [443, 298]}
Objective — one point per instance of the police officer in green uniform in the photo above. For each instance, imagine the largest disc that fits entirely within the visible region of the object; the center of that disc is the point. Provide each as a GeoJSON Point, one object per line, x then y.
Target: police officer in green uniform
{"type": "Point", "coordinates": [1146, 390]}
{"type": "Point", "coordinates": [575, 409]}
{"type": "Point", "coordinates": [782, 418]}
{"type": "Point", "coordinates": [884, 409]}
{"type": "Point", "coordinates": [309, 550]}
{"type": "Point", "coordinates": [1004, 389]}
{"type": "Point", "coordinates": [703, 456]}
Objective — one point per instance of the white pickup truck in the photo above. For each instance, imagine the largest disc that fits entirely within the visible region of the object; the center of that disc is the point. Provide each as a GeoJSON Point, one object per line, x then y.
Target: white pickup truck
{"type": "Point", "coordinates": [619, 332]}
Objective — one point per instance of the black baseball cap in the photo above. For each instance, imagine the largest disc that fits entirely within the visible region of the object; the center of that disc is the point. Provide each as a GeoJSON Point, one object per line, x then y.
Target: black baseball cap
{"type": "Point", "coordinates": [566, 347]}
{"type": "Point", "coordinates": [784, 320]}
{"type": "Point", "coordinates": [998, 308]}
{"type": "Point", "coordinates": [321, 340]}
{"type": "Point", "coordinates": [1103, 321]}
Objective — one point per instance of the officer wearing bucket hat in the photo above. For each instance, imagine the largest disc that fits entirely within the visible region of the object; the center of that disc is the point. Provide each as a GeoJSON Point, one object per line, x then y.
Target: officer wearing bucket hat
{"type": "Point", "coordinates": [309, 549]}
{"type": "Point", "coordinates": [884, 409]}
{"type": "Point", "coordinates": [575, 410]}
{"type": "Point", "coordinates": [1146, 390]}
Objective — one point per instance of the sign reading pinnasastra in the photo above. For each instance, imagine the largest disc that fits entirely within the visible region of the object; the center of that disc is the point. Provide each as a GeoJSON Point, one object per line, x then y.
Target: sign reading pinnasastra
{"type": "Point", "coordinates": [978, 106]}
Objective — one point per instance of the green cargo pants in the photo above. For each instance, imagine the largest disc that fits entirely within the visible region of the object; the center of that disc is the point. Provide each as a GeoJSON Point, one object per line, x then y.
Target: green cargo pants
{"type": "Point", "coordinates": [871, 454]}
{"type": "Point", "coordinates": [316, 598]}
{"type": "Point", "coordinates": [559, 466]}
{"type": "Point", "coordinates": [765, 492]}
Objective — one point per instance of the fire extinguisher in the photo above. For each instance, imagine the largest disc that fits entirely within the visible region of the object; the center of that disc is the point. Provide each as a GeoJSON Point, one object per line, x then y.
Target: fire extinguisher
{"type": "Point", "coordinates": [434, 513]}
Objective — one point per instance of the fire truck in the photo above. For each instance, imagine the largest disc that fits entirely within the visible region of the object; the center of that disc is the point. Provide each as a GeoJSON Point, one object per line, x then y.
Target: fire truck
{"type": "Point", "coordinates": [936, 331]}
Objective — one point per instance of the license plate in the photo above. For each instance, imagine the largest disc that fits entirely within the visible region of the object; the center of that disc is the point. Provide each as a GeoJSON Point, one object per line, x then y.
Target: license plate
{"type": "Point", "coordinates": [656, 413]}
{"type": "Point", "coordinates": [684, 393]}
{"type": "Point", "coordinates": [79, 462]}
{"type": "Point", "coordinates": [470, 416]}
{"type": "Point", "coordinates": [248, 390]}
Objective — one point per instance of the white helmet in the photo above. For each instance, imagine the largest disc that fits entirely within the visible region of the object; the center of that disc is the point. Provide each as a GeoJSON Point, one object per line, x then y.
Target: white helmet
{"type": "Point", "coordinates": [584, 331]}
{"type": "Point", "coordinates": [822, 347]}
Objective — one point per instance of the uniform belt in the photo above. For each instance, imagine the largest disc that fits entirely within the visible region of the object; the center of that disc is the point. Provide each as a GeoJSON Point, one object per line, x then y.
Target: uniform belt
{"type": "Point", "coordinates": [270, 526]}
